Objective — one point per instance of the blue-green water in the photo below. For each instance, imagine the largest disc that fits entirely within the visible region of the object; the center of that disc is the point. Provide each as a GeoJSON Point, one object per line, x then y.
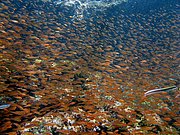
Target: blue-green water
{"type": "Point", "coordinates": [85, 66]}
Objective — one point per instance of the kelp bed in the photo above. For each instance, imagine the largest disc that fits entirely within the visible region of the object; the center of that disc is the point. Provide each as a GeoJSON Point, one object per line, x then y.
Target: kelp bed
{"type": "Point", "coordinates": [59, 76]}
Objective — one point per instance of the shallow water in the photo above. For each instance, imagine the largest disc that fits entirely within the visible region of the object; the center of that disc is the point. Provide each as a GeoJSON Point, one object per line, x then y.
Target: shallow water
{"type": "Point", "coordinates": [82, 67]}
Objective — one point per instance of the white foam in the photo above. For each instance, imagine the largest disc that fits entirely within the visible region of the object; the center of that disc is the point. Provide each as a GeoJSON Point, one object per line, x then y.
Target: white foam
{"type": "Point", "coordinates": [83, 5]}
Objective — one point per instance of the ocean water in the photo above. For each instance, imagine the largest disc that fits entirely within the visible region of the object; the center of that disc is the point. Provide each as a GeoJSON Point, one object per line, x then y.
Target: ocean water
{"type": "Point", "coordinates": [86, 66]}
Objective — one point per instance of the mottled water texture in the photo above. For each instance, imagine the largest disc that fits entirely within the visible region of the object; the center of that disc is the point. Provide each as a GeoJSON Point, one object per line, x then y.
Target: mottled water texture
{"type": "Point", "coordinates": [65, 71]}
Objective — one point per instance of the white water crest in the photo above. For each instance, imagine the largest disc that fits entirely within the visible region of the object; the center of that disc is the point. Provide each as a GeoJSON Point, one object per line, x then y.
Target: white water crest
{"type": "Point", "coordinates": [83, 5]}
